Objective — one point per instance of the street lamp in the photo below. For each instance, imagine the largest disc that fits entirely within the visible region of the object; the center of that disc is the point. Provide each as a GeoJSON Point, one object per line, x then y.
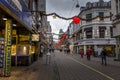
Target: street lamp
{"type": "Point", "coordinates": [77, 5]}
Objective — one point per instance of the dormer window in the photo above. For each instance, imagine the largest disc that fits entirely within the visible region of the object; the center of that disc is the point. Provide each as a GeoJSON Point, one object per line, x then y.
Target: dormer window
{"type": "Point", "coordinates": [104, 4]}
{"type": "Point", "coordinates": [88, 5]}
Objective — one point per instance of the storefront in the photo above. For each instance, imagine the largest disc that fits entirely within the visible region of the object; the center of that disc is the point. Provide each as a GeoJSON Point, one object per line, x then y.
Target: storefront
{"type": "Point", "coordinates": [16, 46]}
{"type": "Point", "coordinates": [97, 44]}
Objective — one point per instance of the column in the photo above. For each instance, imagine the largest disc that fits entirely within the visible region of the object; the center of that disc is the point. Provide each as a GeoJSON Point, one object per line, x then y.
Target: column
{"type": "Point", "coordinates": [95, 50]}
{"type": "Point", "coordinates": [93, 33]}
{"type": "Point", "coordinates": [84, 49]}
{"type": "Point", "coordinates": [84, 35]}
{"type": "Point", "coordinates": [8, 43]}
{"type": "Point", "coordinates": [117, 49]}
{"type": "Point", "coordinates": [107, 32]}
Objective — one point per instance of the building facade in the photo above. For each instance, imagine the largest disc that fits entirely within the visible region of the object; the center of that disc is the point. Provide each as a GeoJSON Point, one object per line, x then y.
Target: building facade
{"type": "Point", "coordinates": [95, 32]}
{"type": "Point", "coordinates": [19, 20]}
{"type": "Point", "coordinates": [116, 23]}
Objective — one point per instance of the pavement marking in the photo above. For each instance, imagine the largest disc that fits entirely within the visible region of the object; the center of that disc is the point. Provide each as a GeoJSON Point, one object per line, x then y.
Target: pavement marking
{"type": "Point", "coordinates": [93, 69]}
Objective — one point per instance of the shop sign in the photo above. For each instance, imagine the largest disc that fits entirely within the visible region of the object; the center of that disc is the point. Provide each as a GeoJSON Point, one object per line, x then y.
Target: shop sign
{"type": "Point", "coordinates": [19, 8]}
{"type": "Point", "coordinates": [8, 42]}
{"type": "Point", "coordinates": [35, 37]}
{"type": "Point", "coordinates": [11, 6]}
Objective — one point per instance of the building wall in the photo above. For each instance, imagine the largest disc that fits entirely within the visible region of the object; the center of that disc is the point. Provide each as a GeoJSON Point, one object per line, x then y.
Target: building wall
{"type": "Point", "coordinates": [116, 23]}
{"type": "Point", "coordinates": [95, 24]}
{"type": "Point", "coordinates": [116, 30]}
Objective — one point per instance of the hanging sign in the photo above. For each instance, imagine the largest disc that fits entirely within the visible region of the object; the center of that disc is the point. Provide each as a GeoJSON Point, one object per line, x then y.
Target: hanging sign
{"type": "Point", "coordinates": [8, 43]}
{"type": "Point", "coordinates": [35, 37]}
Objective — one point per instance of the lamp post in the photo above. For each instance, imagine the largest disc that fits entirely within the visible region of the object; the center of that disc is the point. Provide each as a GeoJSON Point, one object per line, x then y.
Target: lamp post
{"type": "Point", "coordinates": [77, 5]}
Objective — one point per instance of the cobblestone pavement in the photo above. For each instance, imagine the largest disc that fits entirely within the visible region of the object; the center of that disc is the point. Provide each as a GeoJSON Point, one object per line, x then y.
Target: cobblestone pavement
{"type": "Point", "coordinates": [67, 67]}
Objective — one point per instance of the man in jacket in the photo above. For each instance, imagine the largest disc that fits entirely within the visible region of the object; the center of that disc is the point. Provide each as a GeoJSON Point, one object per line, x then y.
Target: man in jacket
{"type": "Point", "coordinates": [103, 56]}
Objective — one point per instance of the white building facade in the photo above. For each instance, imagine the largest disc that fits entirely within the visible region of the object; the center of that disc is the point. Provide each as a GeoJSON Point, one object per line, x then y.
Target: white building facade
{"type": "Point", "coordinates": [95, 32]}
{"type": "Point", "coordinates": [115, 8]}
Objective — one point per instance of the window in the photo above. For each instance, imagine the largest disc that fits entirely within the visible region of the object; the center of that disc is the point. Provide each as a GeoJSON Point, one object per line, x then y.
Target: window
{"type": "Point", "coordinates": [101, 14]}
{"type": "Point", "coordinates": [95, 4]}
{"type": "Point", "coordinates": [102, 31]}
{"type": "Point", "coordinates": [89, 16]}
{"type": "Point", "coordinates": [111, 31]}
{"type": "Point", "coordinates": [88, 34]}
{"type": "Point", "coordinates": [111, 16]}
{"type": "Point", "coordinates": [118, 6]}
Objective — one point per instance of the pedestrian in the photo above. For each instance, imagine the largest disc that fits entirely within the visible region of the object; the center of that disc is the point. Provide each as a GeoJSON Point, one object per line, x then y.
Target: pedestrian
{"type": "Point", "coordinates": [41, 51]}
{"type": "Point", "coordinates": [82, 53]}
{"type": "Point", "coordinates": [71, 49]}
{"type": "Point", "coordinates": [103, 56]}
{"type": "Point", "coordinates": [89, 52]}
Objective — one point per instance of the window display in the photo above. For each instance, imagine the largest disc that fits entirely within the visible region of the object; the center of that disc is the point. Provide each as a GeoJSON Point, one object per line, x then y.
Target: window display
{"type": "Point", "coordinates": [22, 50]}
{"type": "Point", "coordinates": [13, 50]}
{"type": "Point", "coordinates": [32, 50]}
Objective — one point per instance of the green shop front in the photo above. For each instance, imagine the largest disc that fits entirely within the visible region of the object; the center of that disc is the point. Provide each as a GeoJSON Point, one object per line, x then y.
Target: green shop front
{"type": "Point", "coordinates": [16, 46]}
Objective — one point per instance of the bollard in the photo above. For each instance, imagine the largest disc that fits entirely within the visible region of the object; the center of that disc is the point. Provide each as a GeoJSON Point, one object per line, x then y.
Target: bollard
{"type": "Point", "coordinates": [48, 58]}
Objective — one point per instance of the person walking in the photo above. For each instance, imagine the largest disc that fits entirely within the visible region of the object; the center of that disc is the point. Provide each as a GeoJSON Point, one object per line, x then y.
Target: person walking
{"type": "Point", "coordinates": [88, 53]}
{"type": "Point", "coordinates": [41, 51]}
{"type": "Point", "coordinates": [103, 56]}
{"type": "Point", "coordinates": [82, 53]}
{"type": "Point", "coordinates": [71, 49]}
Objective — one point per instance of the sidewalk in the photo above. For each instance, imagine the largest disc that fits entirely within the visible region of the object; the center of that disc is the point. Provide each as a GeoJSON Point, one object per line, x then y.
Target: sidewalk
{"type": "Point", "coordinates": [39, 70]}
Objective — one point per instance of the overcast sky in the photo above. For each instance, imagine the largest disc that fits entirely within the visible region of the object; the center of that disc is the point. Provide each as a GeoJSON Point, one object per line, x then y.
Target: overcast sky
{"type": "Point", "coordinates": [64, 8]}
